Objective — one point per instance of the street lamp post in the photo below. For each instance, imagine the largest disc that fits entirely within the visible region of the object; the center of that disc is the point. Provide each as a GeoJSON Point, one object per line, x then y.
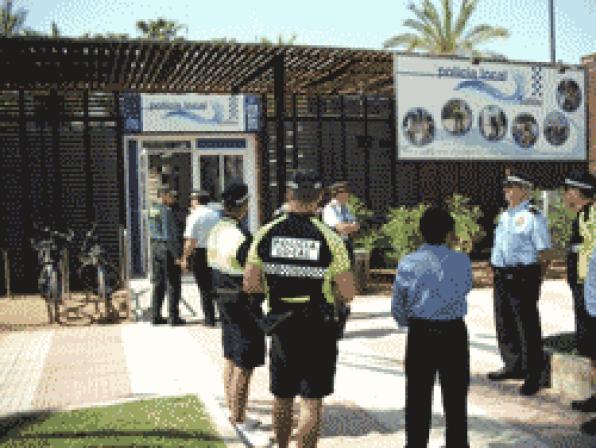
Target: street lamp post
{"type": "Point", "coordinates": [553, 60]}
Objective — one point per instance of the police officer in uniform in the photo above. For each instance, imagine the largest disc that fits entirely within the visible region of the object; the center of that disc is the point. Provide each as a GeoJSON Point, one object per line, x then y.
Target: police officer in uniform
{"type": "Point", "coordinates": [521, 237]}
{"type": "Point", "coordinates": [166, 253]}
{"type": "Point", "coordinates": [242, 338]}
{"type": "Point", "coordinates": [297, 260]}
{"type": "Point", "coordinates": [198, 225]}
{"type": "Point", "coordinates": [579, 194]}
{"type": "Point", "coordinates": [429, 297]}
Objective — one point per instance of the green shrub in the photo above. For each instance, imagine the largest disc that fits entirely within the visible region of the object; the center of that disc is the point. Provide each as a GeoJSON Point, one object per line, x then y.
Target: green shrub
{"type": "Point", "coordinates": [404, 235]}
{"type": "Point", "coordinates": [559, 217]}
{"type": "Point", "coordinates": [367, 236]}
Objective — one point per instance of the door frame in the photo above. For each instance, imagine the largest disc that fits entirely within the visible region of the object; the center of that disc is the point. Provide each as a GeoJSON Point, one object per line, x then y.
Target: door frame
{"type": "Point", "coordinates": [249, 171]}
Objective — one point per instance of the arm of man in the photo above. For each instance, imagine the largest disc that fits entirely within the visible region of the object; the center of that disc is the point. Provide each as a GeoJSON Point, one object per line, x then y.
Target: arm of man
{"type": "Point", "coordinates": [399, 297]}
{"type": "Point", "coordinates": [541, 238]}
{"type": "Point", "coordinates": [252, 281]}
{"type": "Point", "coordinates": [345, 286]}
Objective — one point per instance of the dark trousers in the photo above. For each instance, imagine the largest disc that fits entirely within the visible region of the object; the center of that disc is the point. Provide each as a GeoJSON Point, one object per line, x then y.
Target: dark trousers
{"type": "Point", "coordinates": [202, 274]}
{"type": "Point", "coordinates": [585, 325]}
{"type": "Point", "coordinates": [516, 294]}
{"type": "Point", "coordinates": [433, 347]}
{"type": "Point", "coordinates": [164, 276]}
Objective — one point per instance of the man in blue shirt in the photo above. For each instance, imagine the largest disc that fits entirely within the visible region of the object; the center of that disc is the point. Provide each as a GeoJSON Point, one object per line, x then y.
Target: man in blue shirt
{"type": "Point", "coordinates": [589, 427]}
{"type": "Point", "coordinates": [429, 297]}
{"type": "Point", "coordinates": [521, 237]}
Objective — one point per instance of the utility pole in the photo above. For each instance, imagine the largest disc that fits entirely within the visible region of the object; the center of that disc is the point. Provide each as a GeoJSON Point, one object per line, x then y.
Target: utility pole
{"type": "Point", "coordinates": [553, 60]}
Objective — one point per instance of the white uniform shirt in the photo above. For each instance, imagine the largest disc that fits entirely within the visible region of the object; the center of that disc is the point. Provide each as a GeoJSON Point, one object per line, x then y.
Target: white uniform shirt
{"type": "Point", "coordinates": [198, 224]}
{"type": "Point", "coordinates": [334, 213]}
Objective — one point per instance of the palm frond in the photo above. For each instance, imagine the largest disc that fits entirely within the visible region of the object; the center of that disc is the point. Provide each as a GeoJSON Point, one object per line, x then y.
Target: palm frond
{"type": "Point", "coordinates": [410, 41]}
{"type": "Point", "coordinates": [465, 11]}
{"type": "Point", "coordinates": [424, 29]}
{"type": "Point", "coordinates": [447, 19]}
{"type": "Point", "coordinates": [428, 15]}
{"type": "Point", "coordinates": [483, 33]}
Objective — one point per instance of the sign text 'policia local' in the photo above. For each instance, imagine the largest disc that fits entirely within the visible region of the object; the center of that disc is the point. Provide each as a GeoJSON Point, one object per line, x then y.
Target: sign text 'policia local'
{"type": "Point", "coordinates": [471, 73]}
{"type": "Point", "coordinates": [167, 105]}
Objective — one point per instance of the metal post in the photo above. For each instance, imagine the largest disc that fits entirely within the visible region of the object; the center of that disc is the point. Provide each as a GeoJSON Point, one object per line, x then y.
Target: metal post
{"type": "Point", "coordinates": [7, 273]}
{"type": "Point", "coordinates": [280, 150]}
{"type": "Point", "coordinates": [551, 15]}
{"type": "Point", "coordinates": [65, 273]}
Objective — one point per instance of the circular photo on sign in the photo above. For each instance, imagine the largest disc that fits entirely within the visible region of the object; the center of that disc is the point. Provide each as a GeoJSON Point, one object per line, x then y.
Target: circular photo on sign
{"type": "Point", "coordinates": [525, 130]}
{"type": "Point", "coordinates": [456, 117]}
{"type": "Point", "coordinates": [556, 128]}
{"type": "Point", "coordinates": [492, 123]}
{"type": "Point", "coordinates": [418, 127]}
{"type": "Point", "coordinates": [569, 95]}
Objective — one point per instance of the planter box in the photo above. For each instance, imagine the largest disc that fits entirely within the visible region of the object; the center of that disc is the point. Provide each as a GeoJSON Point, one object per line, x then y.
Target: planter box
{"type": "Point", "coordinates": [571, 376]}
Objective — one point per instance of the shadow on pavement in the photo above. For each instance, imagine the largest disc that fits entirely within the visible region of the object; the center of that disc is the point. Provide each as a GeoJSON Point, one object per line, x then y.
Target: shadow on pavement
{"type": "Point", "coordinates": [370, 333]}
{"type": "Point", "coordinates": [369, 315]}
{"type": "Point", "coordinates": [18, 421]}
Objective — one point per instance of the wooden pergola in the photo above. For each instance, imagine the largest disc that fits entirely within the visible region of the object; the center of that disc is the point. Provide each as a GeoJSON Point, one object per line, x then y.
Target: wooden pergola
{"type": "Point", "coordinates": [183, 66]}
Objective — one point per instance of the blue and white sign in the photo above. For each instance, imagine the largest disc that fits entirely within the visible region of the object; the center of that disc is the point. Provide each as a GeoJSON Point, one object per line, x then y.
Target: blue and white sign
{"type": "Point", "coordinates": [449, 108]}
{"type": "Point", "coordinates": [191, 113]}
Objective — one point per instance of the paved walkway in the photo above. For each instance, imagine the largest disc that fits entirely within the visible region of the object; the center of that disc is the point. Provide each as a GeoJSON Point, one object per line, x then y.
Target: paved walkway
{"type": "Point", "coordinates": [64, 368]}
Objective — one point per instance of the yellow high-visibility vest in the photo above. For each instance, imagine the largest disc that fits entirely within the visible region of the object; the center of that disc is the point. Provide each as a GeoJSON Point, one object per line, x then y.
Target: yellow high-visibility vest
{"type": "Point", "coordinates": [587, 230]}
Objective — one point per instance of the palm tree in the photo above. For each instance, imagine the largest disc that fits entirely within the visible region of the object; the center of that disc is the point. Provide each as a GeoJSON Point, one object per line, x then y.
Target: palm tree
{"type": "Point", "coordinates": [280, 40]}
{"type": "Point", "coordinates": [160, 29]}
{"type": "Point", "coordinates": [12, 21]}
{"type": "Point", "coordinates": [438, 34]}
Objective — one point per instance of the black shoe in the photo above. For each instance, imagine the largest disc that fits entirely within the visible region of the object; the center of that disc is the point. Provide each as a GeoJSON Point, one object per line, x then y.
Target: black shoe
{"type": "Point", "coordinates": [210, 324]}
{"type": "Point", "coordinates": [589, 427]}
{"type": "Point", "coordinates": [176, 321]}
{"type": "Point", "coordinates": [504, 374]}
{"type": "Point", "coordinates": [159, 321]}
{"type": "Point", "coordinates": [587, 405]}
{"type": "Point", "coordinates": [529, 388]}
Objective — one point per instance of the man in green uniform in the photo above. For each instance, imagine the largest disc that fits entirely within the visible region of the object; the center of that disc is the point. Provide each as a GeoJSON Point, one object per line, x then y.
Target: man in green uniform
{"type": "Point", "coordinates": [300, 263]}
{"type": "Point", "coordinates": [243, 340]}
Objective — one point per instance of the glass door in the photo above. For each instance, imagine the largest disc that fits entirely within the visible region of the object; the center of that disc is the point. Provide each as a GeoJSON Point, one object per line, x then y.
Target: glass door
{"type": "Point", "coordinates": [218, 171]}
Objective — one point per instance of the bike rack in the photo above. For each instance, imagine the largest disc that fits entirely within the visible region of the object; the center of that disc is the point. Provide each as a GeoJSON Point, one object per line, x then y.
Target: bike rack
{"type": "Point", "coordinates": [7, 273]}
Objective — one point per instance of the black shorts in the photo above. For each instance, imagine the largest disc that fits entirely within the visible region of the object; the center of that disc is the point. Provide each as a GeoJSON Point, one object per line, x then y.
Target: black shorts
{"type": "Point", "coordinates": [242, 340]}
{"type": "Point", "coordinates": [303, 356]}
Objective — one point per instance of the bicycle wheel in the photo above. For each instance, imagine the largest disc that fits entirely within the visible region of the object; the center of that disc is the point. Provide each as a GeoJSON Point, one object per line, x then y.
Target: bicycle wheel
{"type": "Point", "coordinates": [54, 297]}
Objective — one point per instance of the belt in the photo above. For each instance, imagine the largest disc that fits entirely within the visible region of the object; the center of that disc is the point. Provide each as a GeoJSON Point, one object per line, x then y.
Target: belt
{"type": "Point", "coordinates": [429, 323]}
{"type": "Point", "coordinates": [518, 267]}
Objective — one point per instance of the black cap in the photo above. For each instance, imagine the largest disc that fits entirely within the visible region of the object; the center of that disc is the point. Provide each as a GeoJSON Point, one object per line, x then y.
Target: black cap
{"type": "Point", "coordinates": [305, 179]}
{"type": "Point", "coordinates": [582, 180]}
{"type": "Point", "coordinates": [519, 179]}
{"type": "Point", "coordinates": [235, 194]}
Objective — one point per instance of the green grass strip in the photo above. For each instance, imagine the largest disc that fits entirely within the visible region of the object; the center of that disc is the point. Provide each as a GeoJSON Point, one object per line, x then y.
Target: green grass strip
{"type": "Point", "coordinates": [166, 422]}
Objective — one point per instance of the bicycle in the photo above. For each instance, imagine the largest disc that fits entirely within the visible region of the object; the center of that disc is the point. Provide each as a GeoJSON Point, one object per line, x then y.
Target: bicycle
{"type": "Point", "coordinates": [97, 274]}
{"type": "Point", "coordinates": [49, 282]}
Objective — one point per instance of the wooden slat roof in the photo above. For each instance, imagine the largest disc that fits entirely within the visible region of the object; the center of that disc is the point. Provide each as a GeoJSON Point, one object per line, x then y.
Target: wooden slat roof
{"type": "Point", "coordinates": [183, 66]}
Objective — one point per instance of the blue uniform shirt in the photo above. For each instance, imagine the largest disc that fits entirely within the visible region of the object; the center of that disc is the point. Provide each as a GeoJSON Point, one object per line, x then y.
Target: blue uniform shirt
{"type": "Point", "coordinates": [519, 236]}
{"type": "Point", "coordinates": [431, 283]}
{"type": "Point", "coordinates": [590, 286]}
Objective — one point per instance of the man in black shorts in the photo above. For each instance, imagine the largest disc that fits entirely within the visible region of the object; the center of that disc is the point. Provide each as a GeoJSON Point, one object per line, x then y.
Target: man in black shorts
{"type": "Point", "coordinates": [243, 340]}
{"type": "Point", "coordinates": [297, 259]}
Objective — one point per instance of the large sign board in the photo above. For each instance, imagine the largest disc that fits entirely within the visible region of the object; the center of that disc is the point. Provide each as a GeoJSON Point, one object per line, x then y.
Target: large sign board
{"type": "Point", "coordinates": [449, 108]}
{"type": "Point", "coordinates": [190, 112]}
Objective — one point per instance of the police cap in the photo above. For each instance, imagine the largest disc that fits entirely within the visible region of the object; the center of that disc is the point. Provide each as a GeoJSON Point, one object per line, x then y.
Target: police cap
{"type": "Point", "coordinates": [582, 180]}
{"type": "Point", "coordinates": [518, 179]}
{"type": "Point", "coordinates": [305, 179]}
{"type": "Point", "coordinates": [235, 194]}
{"type": "Point", "coordinates": [340, 187]}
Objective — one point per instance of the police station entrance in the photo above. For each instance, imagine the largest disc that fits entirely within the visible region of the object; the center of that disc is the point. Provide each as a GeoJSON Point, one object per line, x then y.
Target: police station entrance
{"type": "Point", "coordinates": [183, 163]}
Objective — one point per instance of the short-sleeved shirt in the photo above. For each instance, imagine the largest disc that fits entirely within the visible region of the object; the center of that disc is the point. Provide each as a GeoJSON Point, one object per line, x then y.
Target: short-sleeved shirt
{"type": "Point", "coordinates": [521, 233]}
{"type": "Point", "coordinates": [431, 283]}
{"type": "Point", "coordinates": [335, 213]}
{"type": "Point", "coordinates": [590, 285]}
{"type": "Point", "coordinates": [299, 257]}
{"type": "Point", "coordinates": [198, 224]}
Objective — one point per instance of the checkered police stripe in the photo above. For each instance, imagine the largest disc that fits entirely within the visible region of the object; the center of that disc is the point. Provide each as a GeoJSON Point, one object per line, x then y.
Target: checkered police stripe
{"type": "Point", "coordinates": [288, 270]}
{"type": "Point", "coordinates": [233, 108]}
{"type": "Point", "coordinates": [537, 81]}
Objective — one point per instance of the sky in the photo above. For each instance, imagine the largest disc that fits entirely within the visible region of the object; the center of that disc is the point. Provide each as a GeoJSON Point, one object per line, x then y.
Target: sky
{"type": "Point", "coordinates": [362, 24]}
